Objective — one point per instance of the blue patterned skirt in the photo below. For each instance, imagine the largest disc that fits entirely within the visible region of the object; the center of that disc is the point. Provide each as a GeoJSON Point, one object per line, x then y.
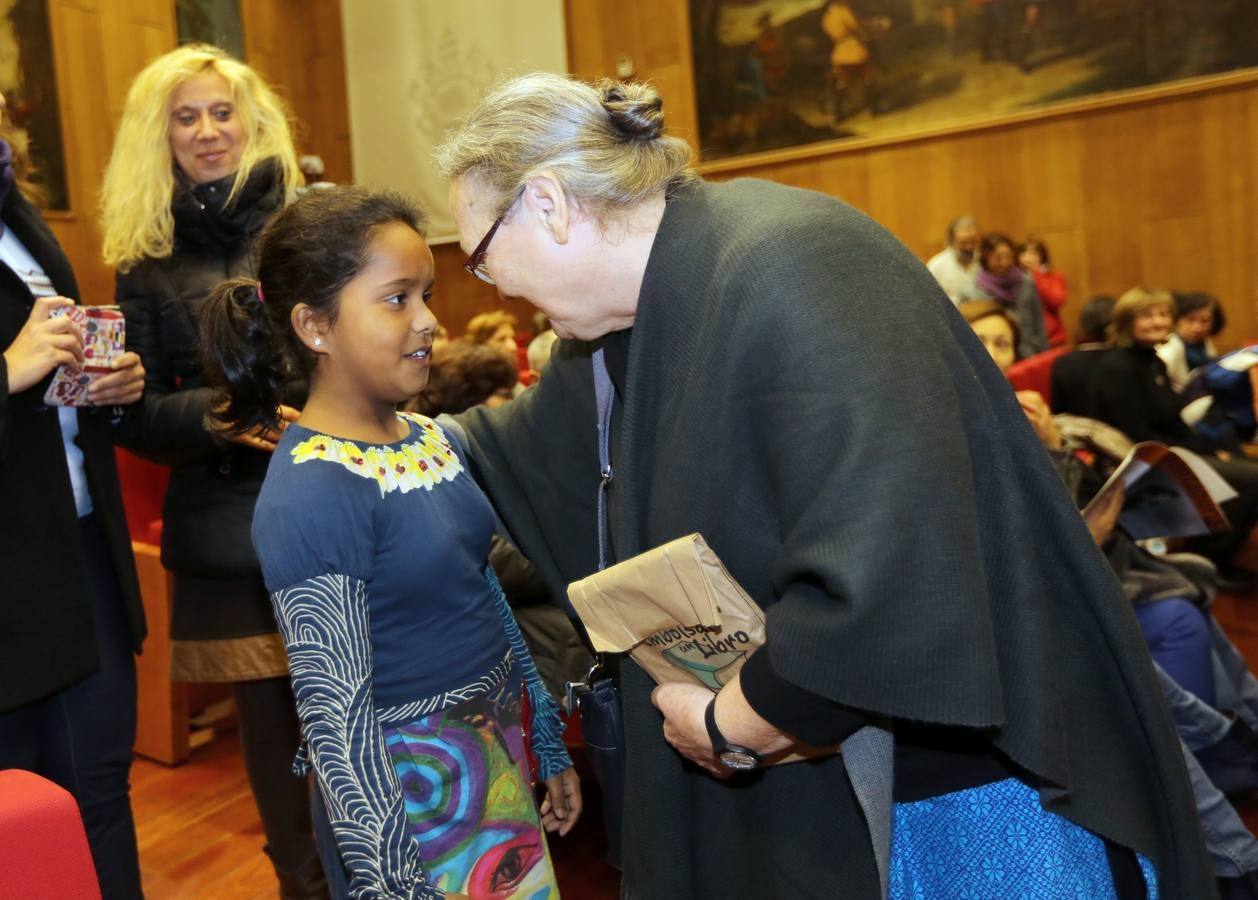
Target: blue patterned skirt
{"type": "Point", "coordinates": [996, 841]}
{"type": "Point", "coordinates": [467, 793]}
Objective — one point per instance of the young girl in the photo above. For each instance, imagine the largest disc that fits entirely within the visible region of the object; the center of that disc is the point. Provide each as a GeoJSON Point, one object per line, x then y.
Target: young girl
{"type": "Point", "coordinates": [406, 662]}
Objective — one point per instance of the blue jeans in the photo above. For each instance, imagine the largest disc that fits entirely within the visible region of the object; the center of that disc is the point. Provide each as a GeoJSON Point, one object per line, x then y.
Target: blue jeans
{"type": "Point", "coordinates": [1232, 848]}
{"type": "Point", "coordinates": [1178, 635]}
{"type": "Point", "coordinates": [81, 736]}
{"type": "Point", "coordinates": [1235, 687]}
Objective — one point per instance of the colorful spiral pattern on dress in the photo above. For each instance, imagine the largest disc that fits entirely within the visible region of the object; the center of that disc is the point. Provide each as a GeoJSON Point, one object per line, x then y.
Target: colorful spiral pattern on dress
{"type": "Point", "coordinates": [468, 801]}
{"type": "Point", "coordinates": [444, 782]}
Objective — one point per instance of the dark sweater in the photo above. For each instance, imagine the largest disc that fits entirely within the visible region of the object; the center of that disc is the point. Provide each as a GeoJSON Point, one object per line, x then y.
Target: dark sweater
{"type": "Point", "coordinates": [1071, 383]}
{"type": "Point", "coordinates": [1130, 390]}
{"type": "Point", "coordinates": [914, 551]}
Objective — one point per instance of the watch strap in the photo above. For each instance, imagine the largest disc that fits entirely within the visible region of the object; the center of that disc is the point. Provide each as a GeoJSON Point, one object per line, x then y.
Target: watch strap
{"type": "Point", "coordinates": [720, 744]}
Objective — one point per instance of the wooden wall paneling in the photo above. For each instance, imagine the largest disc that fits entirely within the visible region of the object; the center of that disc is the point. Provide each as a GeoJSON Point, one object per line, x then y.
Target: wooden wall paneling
{"type": "Point", "coordinates": [847, 179]}
{"type": "Point", "coordinates": [306, 66]}
{"type": "Point", "coordinates": [327, 109]}
{"type": "Point", "coordinates": [1174, 256]}
{"type": "Point", "coordinates": [916, 190]}
{"type": "Point", "coordinates": [1171, 163]}
{"type": "Point", "coordinates": [459, 296]}
{"type": "Point", "coordinates": [162, 726]}
{"type": "Point", "coordinates": [1110, 149]}
{"type": "Point", "coordinates": [1230, 178]}
{"type": "Point", "coordinates": [1048, 167]}
{"type": "Point", "coordinates": [653, 34]}
{"type": "Point", "coordinates": [84, 102]}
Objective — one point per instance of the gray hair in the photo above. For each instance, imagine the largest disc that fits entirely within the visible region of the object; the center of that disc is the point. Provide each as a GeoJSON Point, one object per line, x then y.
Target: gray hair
{"type": "Point", "coordinates": [965, 221]}
{"type": "Point", "coordinates": [604, 142]}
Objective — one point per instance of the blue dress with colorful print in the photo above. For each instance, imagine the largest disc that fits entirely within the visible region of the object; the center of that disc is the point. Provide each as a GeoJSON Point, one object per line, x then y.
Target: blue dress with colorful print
{"type": "Point", "coordinates": [407, 665]}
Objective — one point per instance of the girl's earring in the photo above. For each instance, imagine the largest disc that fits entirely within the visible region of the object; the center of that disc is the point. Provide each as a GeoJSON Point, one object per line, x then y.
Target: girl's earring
{"type": "Point", "coordinates": [318, 342]}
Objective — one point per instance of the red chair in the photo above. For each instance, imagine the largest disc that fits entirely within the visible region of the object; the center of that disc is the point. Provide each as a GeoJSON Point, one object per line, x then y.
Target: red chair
{"type": "Point", "coordinates": [43, 848]}
{"type": "Point", "coordinates": [1035, 373]}
{"type": "Point", "coordinates": [143, 490]}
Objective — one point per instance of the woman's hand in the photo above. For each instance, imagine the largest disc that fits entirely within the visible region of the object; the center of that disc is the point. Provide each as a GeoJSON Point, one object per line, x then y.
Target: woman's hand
{"type": "Point", "coordinates": [1103, 515]}
{"type": "Point", "coordinates": [684, 705]}
{"type": "Point", "coordinates": [1041, 419]}
{"type": "Point", "coordinates": [561, 807]}
{"type": "Point", "coordinates": [45, 342]}
{"type": "Point", "coordinates": [263, 438]}
{"type": "Point", "coordinates": [121, 387]}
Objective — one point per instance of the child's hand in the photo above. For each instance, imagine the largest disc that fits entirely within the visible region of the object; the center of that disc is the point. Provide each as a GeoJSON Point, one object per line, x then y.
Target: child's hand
{"type": "Point", "coordinates": [561, 807]}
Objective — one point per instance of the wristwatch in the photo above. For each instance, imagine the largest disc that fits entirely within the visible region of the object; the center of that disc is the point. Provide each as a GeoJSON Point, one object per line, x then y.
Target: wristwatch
{"type": "Point", "coordinates": [732, 756]}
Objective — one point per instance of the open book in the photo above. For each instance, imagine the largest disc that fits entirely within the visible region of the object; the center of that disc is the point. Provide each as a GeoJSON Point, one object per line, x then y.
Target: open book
{"type": "Point", "coordinates": [1170, 492]}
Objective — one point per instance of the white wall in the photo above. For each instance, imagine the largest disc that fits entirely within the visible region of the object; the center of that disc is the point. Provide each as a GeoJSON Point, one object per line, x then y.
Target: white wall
{"type": "Point", "coordinates": [414, 67]}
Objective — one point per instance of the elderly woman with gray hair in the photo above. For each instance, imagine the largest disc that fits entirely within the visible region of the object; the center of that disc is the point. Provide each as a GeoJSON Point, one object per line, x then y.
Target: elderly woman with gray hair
{"type": "Point", "coordinates": [940, 612]}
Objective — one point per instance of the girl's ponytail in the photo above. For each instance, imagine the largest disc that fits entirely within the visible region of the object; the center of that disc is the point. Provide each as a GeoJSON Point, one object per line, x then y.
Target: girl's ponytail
{"type": "Point", "coordinates": [243, 355]}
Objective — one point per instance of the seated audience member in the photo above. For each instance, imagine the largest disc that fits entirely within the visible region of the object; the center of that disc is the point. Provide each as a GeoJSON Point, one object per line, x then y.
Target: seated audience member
{"type": "Point", "coordinates": [463, 375]}
{"type": "Point", "coordinates": [1212, 696]}
{"type": "Point", "coordinates": [1049, 284]}
{"type": "Point", "coordinates": [1198, 318]}
{"type": "Point", "coordinates": [999, 278]}
{"type": "Point", "coordinates": [955, 266]}
{"type": "Point", "coordinates": [1131, 391]}
{"type": "Point", "coordinates": [998, 330]}
{"type": "Point", "coordinates": [440, 338]}
{"type": "Point", "coordinates": [495, 329]}
{"type": "Point", "coordinates": [1072, 373]}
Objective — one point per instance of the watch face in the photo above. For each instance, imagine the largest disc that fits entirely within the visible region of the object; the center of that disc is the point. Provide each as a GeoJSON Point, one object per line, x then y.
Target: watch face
{"type": "Point", "coordinates": [735, 760]}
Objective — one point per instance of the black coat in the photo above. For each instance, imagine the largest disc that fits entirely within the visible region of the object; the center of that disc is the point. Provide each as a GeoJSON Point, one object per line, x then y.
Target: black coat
{"type": "Point", "coordinates": [1131, 390]}
{"type": "Point", "coordinates": [46, 637]}
{"type": "Point", "coordinates": [801, 392]}
{"type": "Point", "coordinates": [214, 484]}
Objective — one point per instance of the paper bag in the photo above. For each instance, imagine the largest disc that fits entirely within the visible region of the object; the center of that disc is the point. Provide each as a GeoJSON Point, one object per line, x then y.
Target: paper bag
{"type": "Point", "coordinates": [676, 611]}
{"type": "Point", "coordinates": [681, 616]}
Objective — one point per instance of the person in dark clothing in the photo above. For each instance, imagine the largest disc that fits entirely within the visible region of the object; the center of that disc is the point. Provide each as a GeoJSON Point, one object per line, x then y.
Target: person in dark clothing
{"type": "Point", "coordinates": [1131, 390]}
{"type": "Point", "coordinates": [203, 157]}
{"type": "Point", "coordinates": [918, 599]}
{"type": "Point", "coordinates": [1072, 373]}
{"type": "Point", "coordinates": [70, 618]}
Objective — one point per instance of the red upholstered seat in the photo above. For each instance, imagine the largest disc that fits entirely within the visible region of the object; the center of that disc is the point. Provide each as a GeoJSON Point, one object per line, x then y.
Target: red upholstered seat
{"type": "Point", "coordinates": [143, 490]}
{"type": "Point", "coordinates": [1035, 373]}
{"type": "Point", "coordinates": [43, 848]}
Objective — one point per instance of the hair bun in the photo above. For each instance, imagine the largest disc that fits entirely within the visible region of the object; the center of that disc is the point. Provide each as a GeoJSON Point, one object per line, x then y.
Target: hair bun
{"type": "Point", "coordinates": [635, 110]}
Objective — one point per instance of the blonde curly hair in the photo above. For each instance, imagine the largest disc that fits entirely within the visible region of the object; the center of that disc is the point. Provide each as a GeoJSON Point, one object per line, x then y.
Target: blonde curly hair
{"type": "Point", "coordinates": [140, 178]}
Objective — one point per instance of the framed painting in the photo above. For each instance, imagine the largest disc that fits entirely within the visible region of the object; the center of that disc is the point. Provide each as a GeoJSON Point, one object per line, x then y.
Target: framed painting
{"type": "Point", "coordinates": [29, 85]}
{"type": "Point", "coordinates": [772, 74]}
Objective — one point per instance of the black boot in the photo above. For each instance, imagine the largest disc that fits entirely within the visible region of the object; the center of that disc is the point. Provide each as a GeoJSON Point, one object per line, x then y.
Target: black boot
{"type": "Point", "coordinates": [306, 882]}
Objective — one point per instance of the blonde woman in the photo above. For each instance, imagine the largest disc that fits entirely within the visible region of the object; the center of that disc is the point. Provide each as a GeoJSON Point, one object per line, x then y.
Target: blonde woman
{"type": "Point", "coordinates": [203, 157]}
{"type": "Point", "coordinates": [1131, 390]}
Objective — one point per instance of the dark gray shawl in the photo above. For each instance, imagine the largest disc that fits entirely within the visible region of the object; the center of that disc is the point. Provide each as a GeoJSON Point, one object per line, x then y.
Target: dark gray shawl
{"type": "Point", "coordinates": [802, 393]}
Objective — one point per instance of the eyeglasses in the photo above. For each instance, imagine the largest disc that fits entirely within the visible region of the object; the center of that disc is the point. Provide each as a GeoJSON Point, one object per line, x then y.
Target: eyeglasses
{"type": "Point", "coordinates": [476, 262]}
